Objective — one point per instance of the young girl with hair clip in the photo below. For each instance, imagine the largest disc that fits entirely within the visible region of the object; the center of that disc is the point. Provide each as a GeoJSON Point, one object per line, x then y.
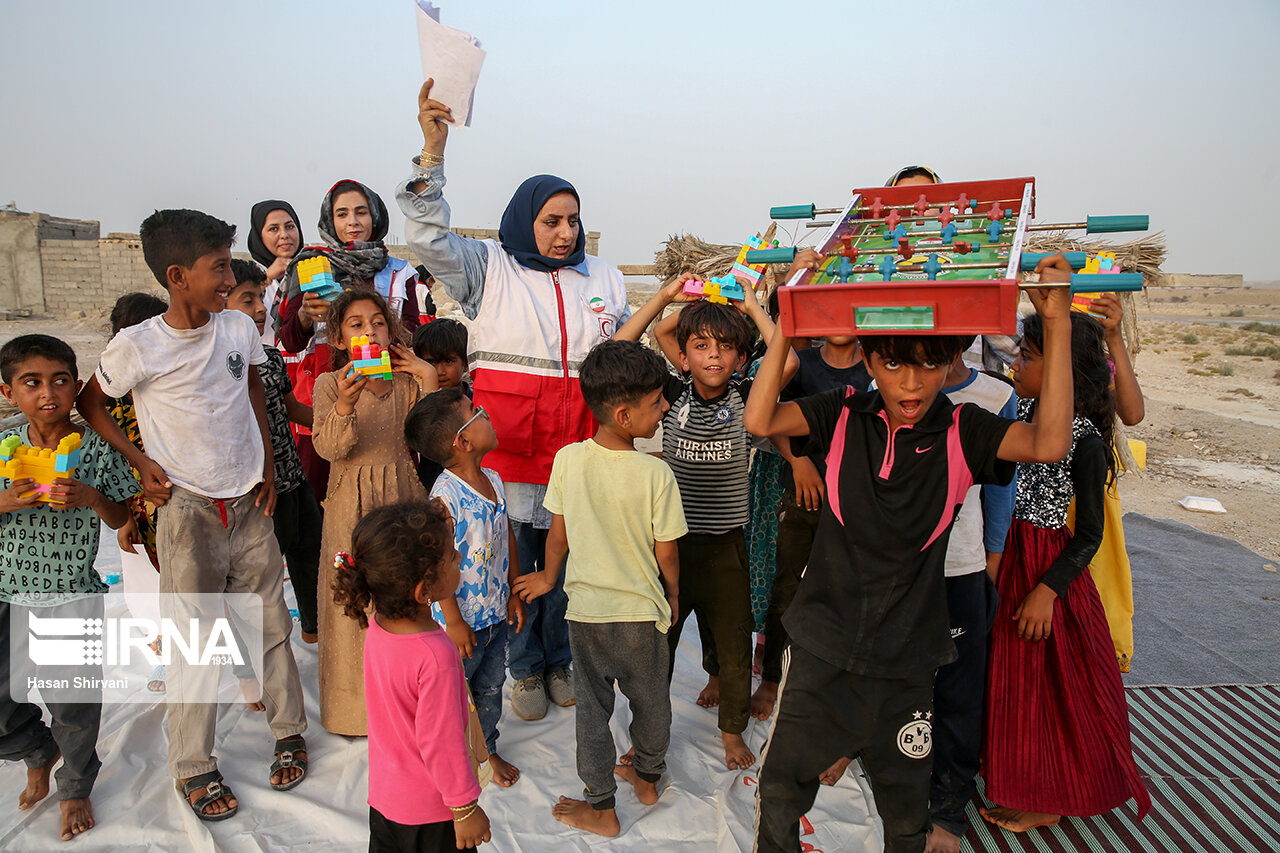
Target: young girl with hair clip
{"type": "Point", "coordinates": [1057, 726]}
{"type": "Point", "coordinates": [353, 221]}
{"type": "Point", "coordinates": [423, 790]}
{"type": "Point", "coordinates": [359, 428]}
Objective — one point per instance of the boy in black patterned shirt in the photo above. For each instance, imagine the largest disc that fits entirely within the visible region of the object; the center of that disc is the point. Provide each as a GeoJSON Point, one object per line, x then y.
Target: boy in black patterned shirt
{"type": "Point", "coordinates": [705, 443]}
{"type": "Point", "coordinates": [297, 517]}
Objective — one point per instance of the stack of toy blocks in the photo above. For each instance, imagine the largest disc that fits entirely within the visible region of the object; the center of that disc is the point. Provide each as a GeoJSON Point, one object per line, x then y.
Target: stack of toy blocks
{"type": "Point", "coordinates": [19, 461]}
{"type": "Point", "coordinates": [370, 359]}
{"type": "Point", "coordinates": [719, 290]}
{"type": "Point", "coordinates": [315, 275]}
{"type": "Point", "coordinates": [751, 272]}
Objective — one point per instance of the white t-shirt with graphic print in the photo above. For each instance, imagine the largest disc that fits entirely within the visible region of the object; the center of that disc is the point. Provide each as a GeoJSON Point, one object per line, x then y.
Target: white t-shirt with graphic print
{"type": "Point", "coordinates": [191, 393]}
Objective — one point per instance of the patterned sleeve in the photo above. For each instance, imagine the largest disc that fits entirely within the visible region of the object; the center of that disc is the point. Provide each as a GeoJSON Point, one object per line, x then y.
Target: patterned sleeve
{"type": "Point", "coordinates": [107, 471]}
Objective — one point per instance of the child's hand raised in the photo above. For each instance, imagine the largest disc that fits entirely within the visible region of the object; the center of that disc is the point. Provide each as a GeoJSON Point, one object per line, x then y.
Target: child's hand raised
{"type": "Point", "coordinates": [674, 292]}
{"type": "Point", "coordinates": [1107, 307]}
{"type": "Point", "coordinates": [749, 301]}
{"type": "Point", "coordinates": [313, 310]}
{"type": "Point", "coordinates": [432, 118]}
{"type": "Point", "coordinates": [1052, 303]}
{"type": "Point", "coordinates": [1035, 614]}
{"type": "Point", "coordinates": [350, 386]}
{"type": "Point", "coordinates": [806, 260]}
{"type": "Point", "coordinates": [404, 360]}
{"type": "Point", "coordinates": [532, 585]}
{"type": "Point", "coordinates": [19, 495]}
{"type": "Point", "coordinates": [473, 830]}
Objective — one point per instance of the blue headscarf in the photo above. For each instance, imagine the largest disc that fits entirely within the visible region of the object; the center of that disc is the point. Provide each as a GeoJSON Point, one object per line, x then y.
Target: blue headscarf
{"type": "Point", "coordinates": [515, 232]}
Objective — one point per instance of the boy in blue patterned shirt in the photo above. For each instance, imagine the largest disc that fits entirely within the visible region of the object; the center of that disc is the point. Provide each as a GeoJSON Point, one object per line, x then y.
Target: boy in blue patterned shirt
{"type": "Point", "coordinates": [446, 428]}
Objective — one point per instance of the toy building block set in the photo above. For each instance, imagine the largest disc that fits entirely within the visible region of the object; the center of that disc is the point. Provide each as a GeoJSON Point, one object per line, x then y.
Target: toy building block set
{"type": "Point", "coordinates": [315, 275]}
{"type": "Point", "coordinates": [934, 259]}
{"type": "Point", "coordinates": [729, 285]}
{"type": "Point", "coordinates": [369, 359]}
{"type": "Point", "coordinates": [19, 461]}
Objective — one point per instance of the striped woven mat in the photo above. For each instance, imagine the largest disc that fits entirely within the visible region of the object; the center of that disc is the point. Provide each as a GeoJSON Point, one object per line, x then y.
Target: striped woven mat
{"type": "Point", "coordinates": [1211, 759]}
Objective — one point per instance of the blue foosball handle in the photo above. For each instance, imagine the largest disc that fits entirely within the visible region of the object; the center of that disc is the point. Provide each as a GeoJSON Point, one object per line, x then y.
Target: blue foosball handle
{"type": "Point", "coordinates": [1123, 282]}
{"type": "Point", "coordinates": [792, 211]}
{"type": "Point", "coordinates": [771, 256]}
{"type": "Point", "coordinates": [1030, 259]}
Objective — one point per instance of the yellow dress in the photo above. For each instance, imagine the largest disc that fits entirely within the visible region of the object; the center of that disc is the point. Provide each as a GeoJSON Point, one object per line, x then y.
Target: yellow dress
{"type": "Point", "coordinates": [371, 467]}
{"type": "Point", "coordinates": [1110, 568]}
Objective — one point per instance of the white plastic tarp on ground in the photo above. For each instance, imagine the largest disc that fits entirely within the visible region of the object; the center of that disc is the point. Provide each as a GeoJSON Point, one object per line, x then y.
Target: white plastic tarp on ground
{"type": "Point", "coordinates": [702, 807]}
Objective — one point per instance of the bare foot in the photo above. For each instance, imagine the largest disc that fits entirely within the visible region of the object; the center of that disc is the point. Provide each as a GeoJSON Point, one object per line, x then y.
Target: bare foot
{"type": "Point", "coordinates": [77, 817]}
{"type": "Point", "coordinates": [628, 757]}
{"type": "Point", "coordinates": [646, 792]}
{"type": "Point", "coordinates": [835, 772]}
{"type": "Point", "coordinates": [218, 806]}
{"type": "Point", "coordinates": [710, 695]}
{"type": "Point", "coordinates": [37, 785]}
{"type": "Point", "coordinates": [1015, 820]}
{"type": "Point", "coordinates": [942, 841]}
{"type": "Point", "coordinates": [310, 638]}
{"type": "Point", "coordinates": [580, 815]}
{"type": "Point", "coordinates": [736, 754]}
{"type": "Point", "coordinates": [763, 699]}
{"type": "Point", "coordinates": [249, 687]}
{"type": "Point", "coordinates": [505, 773]}
{"type": "Point", "coordinates": [757, 658]}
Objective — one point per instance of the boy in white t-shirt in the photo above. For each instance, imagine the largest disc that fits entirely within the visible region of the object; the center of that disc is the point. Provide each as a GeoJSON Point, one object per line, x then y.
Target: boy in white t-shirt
{"type": "Point", "coordinates": [209, 468]}
{"type": "Point", "coordinates": [447, 429]}
{"type": "Point", "coordinates": [617, 515]}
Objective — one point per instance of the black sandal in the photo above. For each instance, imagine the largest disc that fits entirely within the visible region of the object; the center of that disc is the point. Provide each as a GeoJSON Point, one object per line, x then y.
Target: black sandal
{"type": "Point", "coordinates": [286, 750]}
{"type": "Point", "coordinates": [214, 791]}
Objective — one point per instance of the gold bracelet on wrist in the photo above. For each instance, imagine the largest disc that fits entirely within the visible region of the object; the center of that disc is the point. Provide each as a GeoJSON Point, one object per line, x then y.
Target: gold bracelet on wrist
{"type": "Point", "coordinates": [426, 158]}
{"type": "Point", "coordinates": [469, 811]}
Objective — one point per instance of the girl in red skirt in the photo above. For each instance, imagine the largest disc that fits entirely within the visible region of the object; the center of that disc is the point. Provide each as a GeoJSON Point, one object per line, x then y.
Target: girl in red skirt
{"type": "Point", "coordinates": [1057, 726]}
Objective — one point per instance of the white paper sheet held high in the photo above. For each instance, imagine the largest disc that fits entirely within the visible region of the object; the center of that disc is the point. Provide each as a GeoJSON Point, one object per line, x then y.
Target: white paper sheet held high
{"type": "Point", "coordinates": [452, 58]}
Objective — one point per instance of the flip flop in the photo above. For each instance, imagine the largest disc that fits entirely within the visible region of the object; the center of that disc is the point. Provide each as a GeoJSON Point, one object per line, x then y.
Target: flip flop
{"type": "Point", "coordinates": [214, 790]}
{"type": "Point", "coordinates": [286, 757]}
{"type": "Point", "coordinates": [157, 677]}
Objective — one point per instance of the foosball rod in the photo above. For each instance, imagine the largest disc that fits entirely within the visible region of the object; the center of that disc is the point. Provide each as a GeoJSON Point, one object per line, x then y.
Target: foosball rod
{"type": "Point", "coordinates": [1080, 282]}
{"type": "Point", "coordinates": [1092, 225]}
{"type": "Point", "coordinates": [808, 211]}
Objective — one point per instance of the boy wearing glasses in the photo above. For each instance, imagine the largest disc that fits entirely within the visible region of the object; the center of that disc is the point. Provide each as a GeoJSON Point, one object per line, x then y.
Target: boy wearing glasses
{"type": "Point", "coordinates": [446, 428]}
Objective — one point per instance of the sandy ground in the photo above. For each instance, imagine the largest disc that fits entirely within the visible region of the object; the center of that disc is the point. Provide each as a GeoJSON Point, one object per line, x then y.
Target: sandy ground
{"type": "Point", "coordinates": [1213, 418]}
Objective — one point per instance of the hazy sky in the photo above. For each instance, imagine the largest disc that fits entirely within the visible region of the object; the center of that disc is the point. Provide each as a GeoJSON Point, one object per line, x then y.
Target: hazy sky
{"type": "Point", "coordinates": [669, 117]}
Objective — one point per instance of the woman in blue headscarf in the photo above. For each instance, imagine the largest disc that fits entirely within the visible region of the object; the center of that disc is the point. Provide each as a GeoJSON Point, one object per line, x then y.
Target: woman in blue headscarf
{"type": "Point", "coordinates": [537, 303]}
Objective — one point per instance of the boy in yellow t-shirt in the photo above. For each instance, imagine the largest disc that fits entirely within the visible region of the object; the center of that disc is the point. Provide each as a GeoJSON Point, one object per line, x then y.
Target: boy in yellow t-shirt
{"type": "Point", "coordinates": [617, 514]}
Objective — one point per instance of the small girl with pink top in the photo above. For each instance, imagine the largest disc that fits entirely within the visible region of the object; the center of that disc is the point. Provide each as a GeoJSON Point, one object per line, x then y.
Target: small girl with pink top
{"type": "Point", "coordinates": [423, 791]}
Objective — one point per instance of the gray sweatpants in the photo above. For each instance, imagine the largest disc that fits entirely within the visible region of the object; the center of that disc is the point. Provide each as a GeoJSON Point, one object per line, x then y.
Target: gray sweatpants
{"type": "Point", "coordinates": [211, 546]}
{"type": "Point", "coordinates": [633, 655]}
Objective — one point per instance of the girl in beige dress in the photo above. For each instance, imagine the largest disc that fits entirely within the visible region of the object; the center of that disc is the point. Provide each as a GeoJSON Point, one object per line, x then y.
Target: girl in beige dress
{"type": "Point", "coordinates": [359, 428]}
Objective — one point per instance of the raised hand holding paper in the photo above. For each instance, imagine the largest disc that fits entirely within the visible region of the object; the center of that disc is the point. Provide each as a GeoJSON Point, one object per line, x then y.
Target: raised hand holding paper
{"type": "Point", "coordinates": [452, 58]}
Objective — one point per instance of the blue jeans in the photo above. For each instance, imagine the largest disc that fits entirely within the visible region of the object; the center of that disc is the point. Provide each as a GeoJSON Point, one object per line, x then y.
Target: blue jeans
{"type": "Point", "coordinates": [486, 671]}
{"type": "Point", "coordinates": [543, 645]}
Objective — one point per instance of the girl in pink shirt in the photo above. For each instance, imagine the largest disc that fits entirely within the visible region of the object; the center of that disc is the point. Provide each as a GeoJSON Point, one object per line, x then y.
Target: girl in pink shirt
{"type": "Point", "coordinates": [423, 793]}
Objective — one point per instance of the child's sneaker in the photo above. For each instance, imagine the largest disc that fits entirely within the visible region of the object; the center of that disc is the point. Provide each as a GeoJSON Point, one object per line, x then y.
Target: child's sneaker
{"type": "Point", "coordinates": [560, 686]}
{"type": "Point", "coordinates": [529, 698]}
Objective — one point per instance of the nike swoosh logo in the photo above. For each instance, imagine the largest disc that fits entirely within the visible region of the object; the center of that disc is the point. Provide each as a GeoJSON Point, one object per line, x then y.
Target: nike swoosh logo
{"type": "Point", "coordinates": [924, 449]}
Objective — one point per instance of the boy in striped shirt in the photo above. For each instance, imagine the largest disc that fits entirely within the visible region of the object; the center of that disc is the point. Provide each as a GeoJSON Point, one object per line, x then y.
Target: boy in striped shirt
{"type": "Point", "coordinates": [706, 445]}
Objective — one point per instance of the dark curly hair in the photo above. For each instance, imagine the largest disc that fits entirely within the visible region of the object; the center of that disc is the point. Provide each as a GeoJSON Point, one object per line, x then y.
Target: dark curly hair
{"type": "Point", "coordinates": [338, 309]}
{"type": "Point", "coordinates": [393, 549]}
{"type": "Point", "coordinates": [1090, 372]}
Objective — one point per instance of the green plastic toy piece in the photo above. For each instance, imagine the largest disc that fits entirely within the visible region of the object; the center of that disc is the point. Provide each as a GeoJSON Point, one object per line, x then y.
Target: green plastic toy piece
{"type": "Point", "coordinates": [1112, 224]}
{"type": "Point", "coordinates": [1030, 259]}
{"type": "Point", "coordinates": [1121, 282]}
{"type": "Point", "coordinates": [792, 211]}
{"type": "Point", "coordinates": [771, 256]}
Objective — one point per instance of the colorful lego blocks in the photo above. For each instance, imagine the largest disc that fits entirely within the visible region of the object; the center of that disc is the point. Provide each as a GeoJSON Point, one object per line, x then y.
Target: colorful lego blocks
{"type": "Point", "coordinates": [751, 272]}
{"type": "Point", "coordinates": [370, 359]}
{"type": "Point", "coordinates": [42, 464]}
{"type": "Point", "coordinates": [719, 290]}
{"type": "Point", "coordinates": [315, 275]}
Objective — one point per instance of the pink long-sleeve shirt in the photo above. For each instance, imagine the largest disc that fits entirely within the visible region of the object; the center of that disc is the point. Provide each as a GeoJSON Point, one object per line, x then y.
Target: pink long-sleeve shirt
{"type": "Point", "coordinates": [418, 707]}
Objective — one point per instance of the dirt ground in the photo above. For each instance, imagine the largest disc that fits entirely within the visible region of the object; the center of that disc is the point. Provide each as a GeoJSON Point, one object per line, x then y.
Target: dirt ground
{"type": "Point", "coordinates": [1209, 365]}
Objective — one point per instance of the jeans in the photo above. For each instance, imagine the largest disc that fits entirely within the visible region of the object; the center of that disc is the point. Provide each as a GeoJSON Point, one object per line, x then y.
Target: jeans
{"type": "Point", "coordinates": [543, 645]}
{"type": "Point", "coordinates": [486, 671]}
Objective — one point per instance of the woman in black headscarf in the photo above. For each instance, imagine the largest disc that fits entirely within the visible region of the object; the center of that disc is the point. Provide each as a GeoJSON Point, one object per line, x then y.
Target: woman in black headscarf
{"type": "Point", "coordinates": [275, 235]}
{"type": "Point", "coordinates": [537, 304]}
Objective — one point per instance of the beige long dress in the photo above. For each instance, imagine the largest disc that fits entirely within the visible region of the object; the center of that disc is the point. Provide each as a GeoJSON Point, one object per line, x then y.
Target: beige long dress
{"type": "Point", "coordinates": [371, 467]}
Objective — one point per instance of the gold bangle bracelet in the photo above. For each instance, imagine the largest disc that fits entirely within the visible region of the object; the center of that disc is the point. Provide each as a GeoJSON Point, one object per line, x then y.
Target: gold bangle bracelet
{"type": "Point", "coordinates": [426, 158]}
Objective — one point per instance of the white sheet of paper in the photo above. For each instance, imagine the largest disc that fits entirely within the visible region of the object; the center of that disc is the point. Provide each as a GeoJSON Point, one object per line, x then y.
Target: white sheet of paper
{"type": "Point", "coordinates": [141, 584]}
{"type": "Point", "coordinates": [452, 58]}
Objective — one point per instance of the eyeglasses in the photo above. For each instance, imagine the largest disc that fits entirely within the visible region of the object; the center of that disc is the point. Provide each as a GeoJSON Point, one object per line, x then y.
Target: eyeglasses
{"type": "Point", "coordinates": [480, 413]}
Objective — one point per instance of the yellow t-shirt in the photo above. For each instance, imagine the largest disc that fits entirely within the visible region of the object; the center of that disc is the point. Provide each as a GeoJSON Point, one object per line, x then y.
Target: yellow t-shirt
{"type": "Point", "coordinates": [616, 504]}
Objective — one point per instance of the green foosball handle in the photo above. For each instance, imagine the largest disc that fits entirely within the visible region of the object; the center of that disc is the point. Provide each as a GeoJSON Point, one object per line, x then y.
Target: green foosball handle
{"type": "Point", "coordinates": [1112, 224]}
{"type": "Point", "coordinates": [771, 256]}
{"type": "Point", "coordinates": [1030, 259]}
{"type": "Point", "coordinates": [1122, 282]}
{"type": "Point", "coordinates": [792, 211]}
